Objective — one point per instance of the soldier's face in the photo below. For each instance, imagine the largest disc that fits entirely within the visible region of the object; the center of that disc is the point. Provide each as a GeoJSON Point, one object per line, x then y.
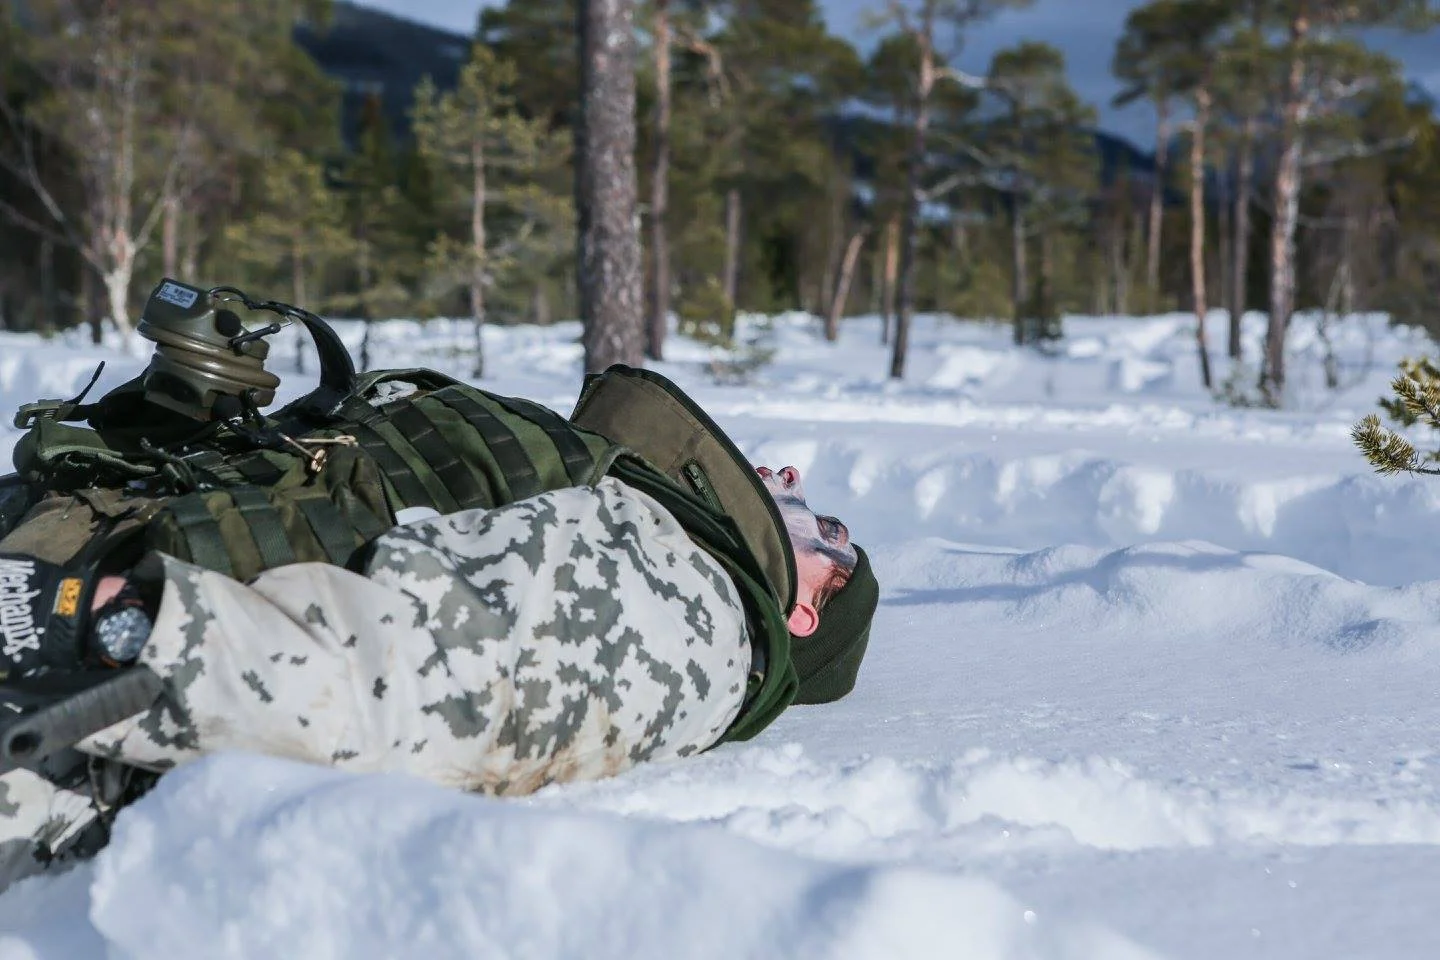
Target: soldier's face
{"type": "Point", "coordinates": [821, 542]}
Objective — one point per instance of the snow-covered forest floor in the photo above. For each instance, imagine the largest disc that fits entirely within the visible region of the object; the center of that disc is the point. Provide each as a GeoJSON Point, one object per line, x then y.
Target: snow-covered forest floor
{"type": "Point", "coordinates": [1151, 677]}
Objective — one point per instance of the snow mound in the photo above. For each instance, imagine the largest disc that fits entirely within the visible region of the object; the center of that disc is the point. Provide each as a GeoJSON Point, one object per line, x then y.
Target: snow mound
{"type": "Point", "coordinates": [245, 857]}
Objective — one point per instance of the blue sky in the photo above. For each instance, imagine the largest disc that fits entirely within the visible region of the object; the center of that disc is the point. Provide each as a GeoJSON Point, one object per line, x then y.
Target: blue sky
{"type": "Point", "coordinates": [1086, 30]}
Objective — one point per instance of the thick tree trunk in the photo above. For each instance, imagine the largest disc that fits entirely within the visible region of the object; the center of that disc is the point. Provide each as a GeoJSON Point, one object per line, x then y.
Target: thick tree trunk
{"type": "Point", "coordinates": [1244, 189]}
{"type": "Point", "coordinates": [1287, 216]}
{"type": "Point", "coordinates": [1157, 203]}
{"type": "Point", "coordinates": [1020, 280]}
{"type": "Point", "coordinates": [910, 223]}
{"type": "Point", "coordinates": [842, 285]}
{"type": "Point", "coordinates": [478, 241]}
{"type": "Point", "coordinates": [608, 248]}
{"type": "Point", "coordinates": [660, 189]}
{"type": "Point", "coordinates": [731, 279]}
{"type": "Point", "coordinates": [1197, 230]}
{"type": "Point", "coordinates": [887, 285]}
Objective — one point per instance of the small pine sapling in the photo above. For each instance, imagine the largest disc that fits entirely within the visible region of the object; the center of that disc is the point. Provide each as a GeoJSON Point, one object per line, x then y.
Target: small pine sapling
{"type": "Point", "coordinates": [1416, 401]}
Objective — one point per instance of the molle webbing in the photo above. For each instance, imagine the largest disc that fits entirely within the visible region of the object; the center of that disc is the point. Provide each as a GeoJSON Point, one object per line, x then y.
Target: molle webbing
{"type": "Point", "coordinates": [454, 448]}
{"type": "Point", "coordinates": [457, 448]}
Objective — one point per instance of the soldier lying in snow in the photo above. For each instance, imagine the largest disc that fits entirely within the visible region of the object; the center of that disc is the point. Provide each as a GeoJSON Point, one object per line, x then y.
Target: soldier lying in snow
{"type": "Point", "coordinates": [576, 597]}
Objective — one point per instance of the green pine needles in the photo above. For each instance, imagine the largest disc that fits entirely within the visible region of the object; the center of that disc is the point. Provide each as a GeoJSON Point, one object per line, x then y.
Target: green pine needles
{"type": "Point", "coordinates": [1416, 401]}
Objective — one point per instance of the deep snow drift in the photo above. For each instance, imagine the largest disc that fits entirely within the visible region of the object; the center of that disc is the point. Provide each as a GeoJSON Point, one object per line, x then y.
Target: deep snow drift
{"type": "Point", "coordinates": [1151, 677]}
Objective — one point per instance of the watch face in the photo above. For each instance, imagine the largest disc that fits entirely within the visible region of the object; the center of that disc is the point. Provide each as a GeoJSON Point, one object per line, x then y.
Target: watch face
{"type": "Point", "coordinates": [121, 634]}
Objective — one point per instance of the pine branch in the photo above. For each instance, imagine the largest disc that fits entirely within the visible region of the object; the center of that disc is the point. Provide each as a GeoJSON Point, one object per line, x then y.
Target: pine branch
{"type": "Point", "coordinates": [1388, 452]}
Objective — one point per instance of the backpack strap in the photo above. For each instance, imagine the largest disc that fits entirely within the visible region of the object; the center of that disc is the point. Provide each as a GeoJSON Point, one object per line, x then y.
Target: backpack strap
{"type": "Point", "coordinates": [265, 526]}
{"type": "Point", "coordinates": [521, 479]}
{"type": "Point", "coordinates": [200, 532]}
{"type": "Point", "coordinates": [577, 458]}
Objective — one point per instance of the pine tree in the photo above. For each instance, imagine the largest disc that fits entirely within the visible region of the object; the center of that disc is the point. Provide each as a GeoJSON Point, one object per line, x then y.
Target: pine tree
{"type": "Point", "coordinates": [492, 164]}
{"type": "Point", "coordinates": [936, 28]}
{"type": "Point", "coordinates": [1416, 402]}
{"type": "Point", "coordinates": [296, 229]}
{"type": "Point", "coordinates": [1181, 41]}
{"type": "Point", "coordinates": [1043, 151]}
{"type": "Point", "coordinates": [608, 263]}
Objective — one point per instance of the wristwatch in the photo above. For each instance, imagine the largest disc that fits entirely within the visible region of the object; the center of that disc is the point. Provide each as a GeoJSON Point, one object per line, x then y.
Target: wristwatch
{"type": "Point", "coordinates": [120, 628]}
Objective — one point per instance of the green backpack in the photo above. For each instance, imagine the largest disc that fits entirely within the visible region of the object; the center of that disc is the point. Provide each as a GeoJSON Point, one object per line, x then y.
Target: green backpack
{"type": "Point", "coordinates": [321, 478]}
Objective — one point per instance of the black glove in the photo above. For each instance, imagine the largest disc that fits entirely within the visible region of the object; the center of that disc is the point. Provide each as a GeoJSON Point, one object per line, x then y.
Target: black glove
{"type": "Point", "coordinates": [46, 624]}
{"type": "Point", "coordinates": [42, 616]}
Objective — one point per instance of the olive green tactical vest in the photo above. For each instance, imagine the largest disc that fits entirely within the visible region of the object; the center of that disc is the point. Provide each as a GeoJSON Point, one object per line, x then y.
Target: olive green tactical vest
{"type": "Point", "coordinates": [318, 485]}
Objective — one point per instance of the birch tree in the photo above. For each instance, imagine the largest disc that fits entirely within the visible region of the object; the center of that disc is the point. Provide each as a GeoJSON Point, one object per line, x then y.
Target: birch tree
{"type": "Point", "coordinates": [136, 94]}
{"type": "Point", "coordinates": [1325, 69]}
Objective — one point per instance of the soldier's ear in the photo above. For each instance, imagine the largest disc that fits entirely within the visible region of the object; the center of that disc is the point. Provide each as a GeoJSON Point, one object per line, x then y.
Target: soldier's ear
{"type": "Point", "coordinates": [804, 620]}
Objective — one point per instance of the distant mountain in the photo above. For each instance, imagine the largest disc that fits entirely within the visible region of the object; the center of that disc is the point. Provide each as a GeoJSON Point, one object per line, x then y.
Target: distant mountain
{"type": "Point", "coordinates": [381, 55]}
{"type": "Point", "coordinates": [377, 54]}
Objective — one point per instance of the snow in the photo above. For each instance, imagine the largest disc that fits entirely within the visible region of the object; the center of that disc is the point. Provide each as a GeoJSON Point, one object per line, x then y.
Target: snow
{"type": "Point", "coordinates": [1152, 676]}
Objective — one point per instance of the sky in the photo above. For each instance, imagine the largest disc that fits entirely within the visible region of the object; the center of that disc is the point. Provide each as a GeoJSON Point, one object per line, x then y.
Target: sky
{"type": "Point", "coordinates": [1085, 30]}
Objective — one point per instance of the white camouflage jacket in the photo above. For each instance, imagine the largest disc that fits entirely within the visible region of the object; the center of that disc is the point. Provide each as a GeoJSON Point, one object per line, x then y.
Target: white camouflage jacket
{"type": "Point", "coordinates": [564, 637]}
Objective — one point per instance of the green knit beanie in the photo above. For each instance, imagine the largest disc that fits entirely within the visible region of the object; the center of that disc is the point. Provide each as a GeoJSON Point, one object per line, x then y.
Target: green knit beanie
{"type": "Point", "coordinates": [829, 659]}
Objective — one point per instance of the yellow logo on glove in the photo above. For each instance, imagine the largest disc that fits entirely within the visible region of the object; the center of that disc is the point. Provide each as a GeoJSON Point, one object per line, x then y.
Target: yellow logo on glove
{"type": "Point", "coordinates": [67, 599]}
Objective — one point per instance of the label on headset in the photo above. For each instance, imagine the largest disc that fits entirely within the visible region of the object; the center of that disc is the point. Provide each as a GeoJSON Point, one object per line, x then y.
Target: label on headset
{"type": "Point", "coordinates": [182, 297]}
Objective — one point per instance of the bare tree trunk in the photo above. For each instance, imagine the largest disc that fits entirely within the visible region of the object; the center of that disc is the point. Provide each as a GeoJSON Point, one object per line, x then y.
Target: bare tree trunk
{"type": "Point", "coordinates": [1137, 243]}
{"type": "Point", "coordinates": [1224, 237]}
{"type": "Point", "coordinates": [297, 289]}
{"type": "Point", "coordinates": [608, 269]}
{"type": "Point", "coordinates": [842, 284]}
{"type": "Point", "coordinates": [1244, 188]}
{"type": "Point", "coordinates": [117, 294]}
{"type": "Point", "coordinates": [190, 248]}
{"type": "Point", "coordinates": [892, 269]}
{"type": "Point", "coordinates": [1119, 263]}
{"type": "Point", "coordinates": [478, 251]}
{"type": "Point", "coordinates": [910, 222]}
{"type": "Point", "coordinates": [1287, 216]}
{"type": "Point", "coordinates": [47, 316]}
{"type": "Point", "coordinates": [1197, 230]}
{"type": "Point", "coordinates": [170, 237]}
{"type": "Point", "coordinates": [94, 318]}
{"type": "Point", "coordinates": [834, 250]}
{"type": "Point", "coordinates": [731, 280]}
{"type": "Point", "coordinates": [1157, 203]}
{"type": "Point", "coordinates": [1020, 281]}
{"type": "Point", "coordinates": [660, 189]}
{"type": "Point", "coordinates": [1045, 288]}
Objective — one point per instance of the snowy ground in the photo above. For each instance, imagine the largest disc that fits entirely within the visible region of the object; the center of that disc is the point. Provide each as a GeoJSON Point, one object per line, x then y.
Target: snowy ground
{"type": "Point", "coordinates": [1151, 677]}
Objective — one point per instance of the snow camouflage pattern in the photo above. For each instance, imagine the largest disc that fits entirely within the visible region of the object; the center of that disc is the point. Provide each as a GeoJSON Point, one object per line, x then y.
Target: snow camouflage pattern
{"type": "Point", "coordinates": [564, 637]}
